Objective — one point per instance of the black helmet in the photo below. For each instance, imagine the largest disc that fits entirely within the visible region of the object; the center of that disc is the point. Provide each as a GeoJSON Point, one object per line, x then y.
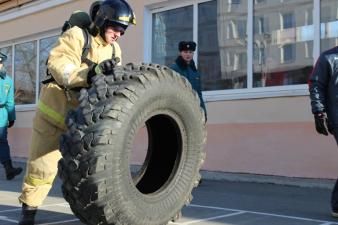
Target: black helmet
{"type": "Point", "coordinates": [94, 8]}
{"type": "Point", "coordinates": [112, 12]}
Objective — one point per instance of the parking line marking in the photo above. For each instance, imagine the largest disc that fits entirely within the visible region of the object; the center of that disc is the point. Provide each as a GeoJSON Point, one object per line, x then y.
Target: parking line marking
{"type": "Point", "coordinates": [211, 218]}
{"type": "Point", "coordinates": [40, 207]}
{"type": "Point", "coordinates": [265, 214]}
{"type": "Point", "coordinates": [236, 212]}
{"type": "Point", "coordinates": [5, 218]}
{"type": "Point", "coordinates": [58, 222]}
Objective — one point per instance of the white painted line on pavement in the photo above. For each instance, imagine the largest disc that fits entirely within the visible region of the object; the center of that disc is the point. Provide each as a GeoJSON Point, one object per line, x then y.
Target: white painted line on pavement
{"type": "Point", "coordinates": [40, 207]}
{"type": "Point", "coordinates": [236, 212]}
{"type": "Point", "coordinates": [5, 218]}
{"type": "Point", "coordinates": [265, 214]}
{"type": "Point", "coordinates": [58, 222]}
{"type": "Point", "coordinates": [211, 218]}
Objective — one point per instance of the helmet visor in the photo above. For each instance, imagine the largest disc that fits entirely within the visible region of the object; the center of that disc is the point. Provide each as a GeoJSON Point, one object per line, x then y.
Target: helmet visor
{"type": "Point", "coordinates": [116, 27]}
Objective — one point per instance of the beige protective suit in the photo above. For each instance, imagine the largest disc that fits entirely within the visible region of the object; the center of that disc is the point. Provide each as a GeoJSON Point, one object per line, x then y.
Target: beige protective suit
{"type": "Point", "coordinates": [65, 65]}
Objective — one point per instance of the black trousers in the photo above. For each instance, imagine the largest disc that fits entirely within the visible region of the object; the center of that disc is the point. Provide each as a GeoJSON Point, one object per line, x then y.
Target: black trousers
{"type": "Point", "coordinates": [334, 195]}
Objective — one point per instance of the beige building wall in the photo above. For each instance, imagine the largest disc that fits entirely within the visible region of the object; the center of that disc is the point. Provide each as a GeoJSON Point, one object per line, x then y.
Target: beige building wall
{"type": "Point", "coordinates": [273, 136]}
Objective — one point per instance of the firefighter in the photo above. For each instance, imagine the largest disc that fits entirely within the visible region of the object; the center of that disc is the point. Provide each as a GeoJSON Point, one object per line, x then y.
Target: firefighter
{"type": "Point", "coordinates": [7, 118]}
{"type": "Point", "coordinates": [323, 90]}
{"type": "Point", "coordinates": [110, 19]}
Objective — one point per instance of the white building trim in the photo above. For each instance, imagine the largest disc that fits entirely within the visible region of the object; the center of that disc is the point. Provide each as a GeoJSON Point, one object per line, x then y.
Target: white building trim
{"type": "Point", "coordinates": [30, 8]}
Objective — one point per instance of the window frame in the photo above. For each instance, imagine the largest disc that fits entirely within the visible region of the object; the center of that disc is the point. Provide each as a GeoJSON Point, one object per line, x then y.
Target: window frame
{"type": "Point", "coordinates": [249, 92]}
{"type": "Point", "coordinates": [33, 38]}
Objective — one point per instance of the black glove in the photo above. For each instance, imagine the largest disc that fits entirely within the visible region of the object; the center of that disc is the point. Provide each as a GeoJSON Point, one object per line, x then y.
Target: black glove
{"type": "Point", "coordinates": [105, 67]}
{"type": "Point", "coordinates": [323, 125]}
{"type": "Point", "coordinates": [10, 123]}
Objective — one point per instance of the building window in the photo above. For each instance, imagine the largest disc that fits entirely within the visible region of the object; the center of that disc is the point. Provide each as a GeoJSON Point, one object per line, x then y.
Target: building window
{"type": "Point", "coordinates": [261, 29]}
{"type": "Point", "coordinates": [287, 55]}
{"type": "Point", "coordinates": [280, 57]}
{"type": "Point", "coordinates": [283, 44]}
{"type": "Point", "coordinates": [229, 70]}
{"type": "Point", "coordinates": [308, 46]}
{"type": "Point", "coordinates": [25, 72]}
{"type": "Point", "coordinates": [329, 24]}
{"type": "Point", "coordinates": [169, 28]}
{"type": "Point", "coordinates": [45, 46]}
{"type": "Point", "coordinates": [221, 41]}
{"type": "Point", "coordinates": [288, 20]}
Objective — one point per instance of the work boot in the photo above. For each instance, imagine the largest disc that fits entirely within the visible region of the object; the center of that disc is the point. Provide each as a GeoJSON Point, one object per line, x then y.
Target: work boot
{"type": "Point", "coordinates": [334, 213]}
{"type": "Point", "coordinates": [27, 215]}
{"type": "Point", "coordinates": [11, 171]}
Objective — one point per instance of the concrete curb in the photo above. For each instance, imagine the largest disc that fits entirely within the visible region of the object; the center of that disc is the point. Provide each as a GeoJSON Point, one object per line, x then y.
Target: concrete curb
{"type": "Point", "coordinates": [253, 178]}
{"type": "Point", "coordinates": [269, 179]}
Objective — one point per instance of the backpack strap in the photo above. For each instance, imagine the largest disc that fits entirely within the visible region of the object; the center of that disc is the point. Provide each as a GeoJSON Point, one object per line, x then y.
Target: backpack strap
{"type": "Point", "coordinates": [84, 59]}
{"type": "Point", "coordinates": [113, 47]}
{"type": "Point", "coordinates": [86, 48]}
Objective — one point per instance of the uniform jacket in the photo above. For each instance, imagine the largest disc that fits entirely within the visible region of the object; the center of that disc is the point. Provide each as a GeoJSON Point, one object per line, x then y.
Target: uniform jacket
{"type": "Point", "coordinates": [190, 72]}
{"type": "Point", "coordinates": [64, 63]}
{"type": "Point", "coordinates": [7, 106]}
{"type": "Point", "coordinates": [323, 85]}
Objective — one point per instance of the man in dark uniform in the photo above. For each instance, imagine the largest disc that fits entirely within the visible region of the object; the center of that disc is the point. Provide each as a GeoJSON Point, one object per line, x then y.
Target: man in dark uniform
{"type": "Point", "coordinates": [323, 87]}
{"type": "Point", "coordinates": [185, 66]}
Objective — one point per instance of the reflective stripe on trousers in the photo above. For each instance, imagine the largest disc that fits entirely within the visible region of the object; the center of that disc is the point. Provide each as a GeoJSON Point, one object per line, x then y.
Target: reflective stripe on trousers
{"type": "Point", "coordinates": [57, 117]}
{"type": "Point", "coordinates": [42, 162]}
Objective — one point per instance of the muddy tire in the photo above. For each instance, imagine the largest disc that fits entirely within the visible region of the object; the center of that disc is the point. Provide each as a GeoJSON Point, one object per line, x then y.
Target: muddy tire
{"type": "Point", "coordinates": [95, 169]}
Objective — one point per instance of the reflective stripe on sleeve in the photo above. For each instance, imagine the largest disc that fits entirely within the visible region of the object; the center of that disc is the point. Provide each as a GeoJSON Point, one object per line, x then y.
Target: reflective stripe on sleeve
{"type": "Point", "coordinates": [51, 113]}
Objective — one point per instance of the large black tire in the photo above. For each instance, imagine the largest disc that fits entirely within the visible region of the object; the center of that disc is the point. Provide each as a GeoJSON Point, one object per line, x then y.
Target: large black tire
{"type": "Point", "coordinates": [95, 172]}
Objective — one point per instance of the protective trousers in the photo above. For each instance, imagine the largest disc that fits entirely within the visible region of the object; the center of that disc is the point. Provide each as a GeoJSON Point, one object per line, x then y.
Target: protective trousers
{"type": "Point", "coordinates": [4, 147]}
{"type": "Point", "coordinates": [42, 162]}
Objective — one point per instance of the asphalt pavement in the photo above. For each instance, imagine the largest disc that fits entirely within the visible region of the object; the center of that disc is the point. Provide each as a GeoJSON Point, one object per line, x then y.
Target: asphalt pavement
{"type": "Point", "coordinates": [216, 202]}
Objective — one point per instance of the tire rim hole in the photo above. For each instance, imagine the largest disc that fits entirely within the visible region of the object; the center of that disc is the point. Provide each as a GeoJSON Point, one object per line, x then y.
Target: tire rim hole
{"type": "Point", "coordinates": [160, 156]}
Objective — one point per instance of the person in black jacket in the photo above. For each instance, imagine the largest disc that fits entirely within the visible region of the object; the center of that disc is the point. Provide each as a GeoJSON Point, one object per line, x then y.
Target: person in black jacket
{"type": "Point", "coordinates": [185, 65]}
{"type": "Point", "coordinates": [323, 87]}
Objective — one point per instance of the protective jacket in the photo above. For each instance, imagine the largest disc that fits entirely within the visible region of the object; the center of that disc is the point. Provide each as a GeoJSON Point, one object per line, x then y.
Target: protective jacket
{"type": "Point", "coordinates": [190, 72]}
{"type": "Point", "coordinates": [69, 72]}
{"type": "Point", "coordinates": [7, 106]}
{"type": "Point", "coordinates": [323, 85]}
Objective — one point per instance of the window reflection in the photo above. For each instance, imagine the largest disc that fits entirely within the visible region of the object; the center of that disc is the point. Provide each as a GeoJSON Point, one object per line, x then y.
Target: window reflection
{"type": "Point", "coordinates": [283, 42]}
{"type": "Point", "coordinates": [169, 28]}
{"type": "Point", "coordinates": [25, 72]}
{"type": "Point", "coordinates": [231, 33]}
{"type": "Point", "coordinates": [329, 24]}
{"type": "Point", "coordinates": [208, 51]}
{"type": "Point", "coordinates": [46, 45]}
{"type": "Point", "coordinates": [8, 64]}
